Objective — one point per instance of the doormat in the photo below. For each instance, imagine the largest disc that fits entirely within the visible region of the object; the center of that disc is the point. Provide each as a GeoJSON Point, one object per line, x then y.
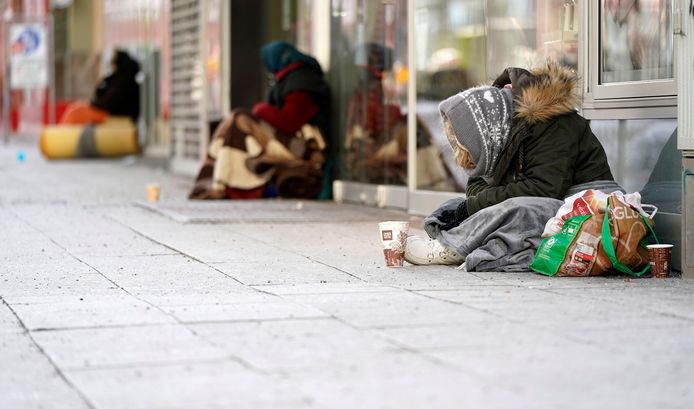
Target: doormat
{"type": "Point", "coordinates": [269, 211]}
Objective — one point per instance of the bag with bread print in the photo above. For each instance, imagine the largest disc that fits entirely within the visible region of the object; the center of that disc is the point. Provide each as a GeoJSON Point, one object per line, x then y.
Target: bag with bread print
{"type": "Point", "coordinates": [593, 244]}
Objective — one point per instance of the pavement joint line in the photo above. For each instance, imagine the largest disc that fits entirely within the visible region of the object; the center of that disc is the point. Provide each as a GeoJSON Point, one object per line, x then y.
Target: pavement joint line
{"type": "Point", "coordinates": [328, 265]}
{"type": "Point", "coordinates": [93, 268]}
{"type": "Point", "coordinates": [162, 364]}
{"type": "Point", "coordinates": [98, 327]}
{"type": "Point", "coordinates": [148, 237]}
{"type": "Point", "coordinates": [337, 292]}
{"type": "Point", "coordinates": [143, 255]}
{"type": "Point", "coordinates": [398, 345]}
{"type": "Point", "coordinates": [240, 235]}
{"type": "Point", "coordinates": [306, 257]}
{"type": "Point", "coordinates": [259, 320]}
{"type": "Point", "coordinates": [470, 287]}
{"type": "Point", "coordinates": [50, 360]}
{"type": "Point", "coordinates": [615, 302]}
{"type": "Point", "coordinates": [482, 310]}
{"type": "Point", "coordinates": [160, 309]}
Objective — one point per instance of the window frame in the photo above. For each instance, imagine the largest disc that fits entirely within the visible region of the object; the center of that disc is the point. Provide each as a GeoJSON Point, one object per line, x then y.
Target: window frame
{"type": "Point", "coordinates": [619, 100]}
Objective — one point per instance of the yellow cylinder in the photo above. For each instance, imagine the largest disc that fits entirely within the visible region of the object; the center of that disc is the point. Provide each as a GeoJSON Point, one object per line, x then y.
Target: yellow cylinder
{"type": "Point", "coordinates": [114, 137]}
{"type": "Point", "coordinates": [60, 142]}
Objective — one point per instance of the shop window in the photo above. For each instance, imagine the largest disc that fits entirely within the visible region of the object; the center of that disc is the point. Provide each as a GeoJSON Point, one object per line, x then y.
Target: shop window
{"type": "Point", "coordinates": [643, 156]}
{"type": "Point", "coordinates": [631, 54]}
{"type": "Point", "coordinates": [463, 43]}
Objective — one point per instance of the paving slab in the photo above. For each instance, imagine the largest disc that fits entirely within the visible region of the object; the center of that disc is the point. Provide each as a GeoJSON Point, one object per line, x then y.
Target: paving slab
{"type": "Point", "coordinates": [107, 243]}
{"type": "Point", "coordinates": [399, 380]}
{"type": "Point", "coordinates": [428, 278]}
{"type": "Point", "coordinates": [270, 211]}
{"type": "Point", "coordinates": [28, 245]}
{"type": "Point", "coordinates": [539, 281]}
{"type": "Point", "coordinates": [294, 344]}
{"type": "Point", "coordinates": [46, 280]}
{"type": "Point", "coordinates": [8, 321]}
{"type": "Point", "coordinates": [389, 309]}
{"type": "Point", "coordinates": [29, 380]}
{"type": "Point", "coordinates": [199, 296]}
{"type": "Point", "coordinates": [322, 288]}
{"type": "Point", "coordinates": [656, 298]}
{"type": "Point", "coordinates": [647, 344]}
{"type": "Point", "coordinates": [268, 306]}
{"type": "Point", "coordinates": [127, 346]}
{"type": "Point", "coordinates": [564, 374]}
{"type": "Point", "coordinates": [173, 271]}
{"type": "Point", "coordinates": [279, 271]}
{"type": "Point", "coordinates": [61, 219]}
{"type": "Point", "coordinates": [485, 332]}
{"type": "Point", "coordinates": [213, 243]}
{"type": "Point", "coordinates": [115, 308]}
{"type": "Point", "coordinates": [263, 310]}
{"type": "Point", "coordinates": [203, 385]}
{"type": "Point", "coordinates": [550, 310]}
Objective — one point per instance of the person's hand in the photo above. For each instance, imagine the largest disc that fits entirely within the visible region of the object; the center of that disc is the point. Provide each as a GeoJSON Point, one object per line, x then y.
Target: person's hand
{"type": "Point", "coordinates": [258, 107]}
{"type": "Point", "coordinates": [447, 219]}
{"type": "Point", "coordinates": [453, 218]}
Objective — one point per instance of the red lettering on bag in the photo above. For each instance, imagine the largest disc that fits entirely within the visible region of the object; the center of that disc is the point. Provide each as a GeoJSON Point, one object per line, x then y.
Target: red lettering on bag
{"type": "Point", "coordinates": [580, 208]}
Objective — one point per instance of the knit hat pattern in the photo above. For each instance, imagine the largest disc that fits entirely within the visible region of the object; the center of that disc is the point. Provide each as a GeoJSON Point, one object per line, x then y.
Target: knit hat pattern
{"type": "Point", "coordinates": [481, 120]}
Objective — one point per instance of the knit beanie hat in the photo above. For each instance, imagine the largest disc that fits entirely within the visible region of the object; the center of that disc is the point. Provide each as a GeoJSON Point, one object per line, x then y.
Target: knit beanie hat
{"type": "Point", "coordinates": [481, 120]}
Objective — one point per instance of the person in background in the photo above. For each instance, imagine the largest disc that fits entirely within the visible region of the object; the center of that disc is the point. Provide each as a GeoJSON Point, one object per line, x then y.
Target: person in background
{"type": "Point", "coordinates": [280, 144]}
{"type": "Point", "coordinates": [118, 94]}
{"type": "Point", "coordinates": [519, 137]}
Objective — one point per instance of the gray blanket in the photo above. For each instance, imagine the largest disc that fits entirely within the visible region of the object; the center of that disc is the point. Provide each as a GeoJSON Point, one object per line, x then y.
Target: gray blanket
{"type": "Point", "coordinates": [503, 237]}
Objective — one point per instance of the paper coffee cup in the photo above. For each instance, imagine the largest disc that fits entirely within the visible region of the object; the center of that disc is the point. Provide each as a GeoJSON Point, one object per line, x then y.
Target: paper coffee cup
{"type": "Point", "coordinates": [153, 192]}
{"type": "Point", "coordinates": [660, 257]}
{"type": "Point", "coordinates": [394, 239]}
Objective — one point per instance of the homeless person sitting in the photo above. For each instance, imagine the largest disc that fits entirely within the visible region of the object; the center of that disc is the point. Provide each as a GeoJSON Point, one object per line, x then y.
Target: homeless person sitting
{"type": "Point", "coordinates": [281, 142]}
{"type": "Point", "coordinates": [525, 149]}
{"type": "Point", "coordinates": [118, 94]}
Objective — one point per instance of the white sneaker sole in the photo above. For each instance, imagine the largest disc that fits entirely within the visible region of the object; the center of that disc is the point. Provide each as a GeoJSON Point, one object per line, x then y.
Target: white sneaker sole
{"type": "Point", "coordinates": [426, 251]}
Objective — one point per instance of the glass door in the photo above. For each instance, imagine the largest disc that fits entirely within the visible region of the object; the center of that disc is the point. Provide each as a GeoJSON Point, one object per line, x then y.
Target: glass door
{"type": "Point", "coordinates": [369, 81]}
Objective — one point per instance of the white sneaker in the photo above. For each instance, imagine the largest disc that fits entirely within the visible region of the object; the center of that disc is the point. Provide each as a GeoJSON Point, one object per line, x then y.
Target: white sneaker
{"type": "Point", "coordinates": [423, 251]}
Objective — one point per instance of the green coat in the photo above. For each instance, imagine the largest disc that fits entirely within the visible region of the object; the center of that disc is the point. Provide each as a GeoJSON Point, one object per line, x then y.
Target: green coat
{"type": "Point", "coordinates": [551, 147]}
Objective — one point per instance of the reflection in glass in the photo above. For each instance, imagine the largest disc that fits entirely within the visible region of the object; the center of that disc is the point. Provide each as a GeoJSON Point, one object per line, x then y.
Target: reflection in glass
{"type": "Point", "coordinates": [371, 86]}
{"type": "Point", "coordinates": [636, 41]}
{"type": "Point", "coordinates": [460, 44]}
{"type": "Point", "coordinates": [213, 70]}
{"type": "Point", "coordinates": [643, 157]}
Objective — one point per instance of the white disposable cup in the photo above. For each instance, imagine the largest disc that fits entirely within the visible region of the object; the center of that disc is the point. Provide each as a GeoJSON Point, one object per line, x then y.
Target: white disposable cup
{"type": "Point", "coordinates": [394, 238]}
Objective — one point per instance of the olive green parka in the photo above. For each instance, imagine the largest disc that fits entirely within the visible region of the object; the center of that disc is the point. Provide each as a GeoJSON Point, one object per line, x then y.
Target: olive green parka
{"type": "Point", "coordinates": [551, 147]}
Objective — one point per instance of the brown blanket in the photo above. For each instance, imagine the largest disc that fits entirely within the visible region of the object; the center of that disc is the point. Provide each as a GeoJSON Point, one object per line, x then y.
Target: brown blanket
{"type": "Point", "coordinates": [246, 154]}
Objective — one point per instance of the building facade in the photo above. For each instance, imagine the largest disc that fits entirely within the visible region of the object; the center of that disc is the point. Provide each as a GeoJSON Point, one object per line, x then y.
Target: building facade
{"type": "Point", "coordinates": [201, 58]}
{"type": "Point", "coordinates": [625, 52]}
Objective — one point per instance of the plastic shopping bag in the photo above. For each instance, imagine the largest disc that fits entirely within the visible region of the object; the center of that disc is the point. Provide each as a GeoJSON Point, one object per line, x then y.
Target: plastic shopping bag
{"type": "Point", "coordinates": [592, 244]}
{"type": "Point", "coordinates": [588, 202]}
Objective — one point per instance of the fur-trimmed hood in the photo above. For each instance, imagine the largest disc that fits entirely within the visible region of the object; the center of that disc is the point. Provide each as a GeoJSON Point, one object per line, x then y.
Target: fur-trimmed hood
{"type": "Point", "coordinates": [541, 93]}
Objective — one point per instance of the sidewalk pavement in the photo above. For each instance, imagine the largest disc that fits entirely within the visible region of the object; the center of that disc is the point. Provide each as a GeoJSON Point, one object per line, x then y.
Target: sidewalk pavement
{"type": "Point", "coordinates": [280, 304]}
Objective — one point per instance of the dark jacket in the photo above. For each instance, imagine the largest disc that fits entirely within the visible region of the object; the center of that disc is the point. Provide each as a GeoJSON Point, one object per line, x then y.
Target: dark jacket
{"type": "Point", "coordinates": [119, 93]}
{"type": "Point", "coordinates": [302, 78]}
{"type": "Point", "coordinates": [551, 147]}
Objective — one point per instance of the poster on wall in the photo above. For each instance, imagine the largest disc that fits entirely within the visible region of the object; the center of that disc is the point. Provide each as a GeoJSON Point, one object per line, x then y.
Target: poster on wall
{"type": "Point", "coordinates": [28, 56]}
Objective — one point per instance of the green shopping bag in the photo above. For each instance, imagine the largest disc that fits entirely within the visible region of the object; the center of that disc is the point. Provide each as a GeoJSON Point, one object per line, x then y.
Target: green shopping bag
{"type": "Point", "coordinates": [594, 244]}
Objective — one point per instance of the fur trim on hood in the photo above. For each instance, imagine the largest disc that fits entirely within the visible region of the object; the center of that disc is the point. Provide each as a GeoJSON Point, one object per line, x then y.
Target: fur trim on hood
{"type": "Point", "coordinates": [549, 92]}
